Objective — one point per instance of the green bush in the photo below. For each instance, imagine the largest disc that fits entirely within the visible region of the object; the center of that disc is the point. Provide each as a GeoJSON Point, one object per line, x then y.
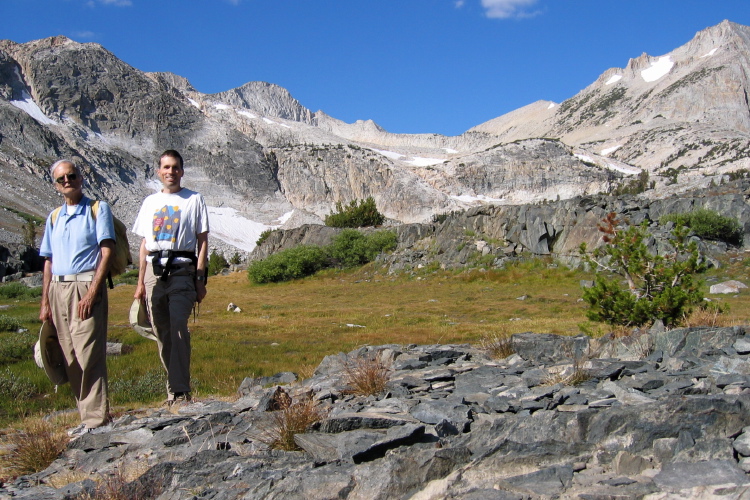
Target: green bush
{"type": "Point", "coordinates": [657, 287]}
{"type": "Point", "coordinates": [216, 263]}
{"type": "Point", "coordinates": [147, 387]}
{"type": "Point", "coordinates": [16, 290]}
{"type": "Point", "coordinates": [129, 277]}
{"type": "Point", "coordinates": [263, 236]}
{"type": "Point", "coordinates": [361, 213]}
{"type": "Point", "coordinates": [708, 224]}
{"type": "Point", "coordinates": [351, 248]}
{"type": "Point", "coordinates": [9, 324]}
{"type": "Point", "coordinates": [16, 346]}
{"type": "Point", "coordinates": [14, 387]}
{"type": "Point", "coordinates": [634, 186]}
{"type": "Point", "coordinates": [287, 265]}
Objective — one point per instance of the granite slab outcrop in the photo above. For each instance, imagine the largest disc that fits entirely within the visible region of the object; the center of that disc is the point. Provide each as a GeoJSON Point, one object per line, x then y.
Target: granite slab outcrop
{"type": "Point", "coordinates": [658, 414]}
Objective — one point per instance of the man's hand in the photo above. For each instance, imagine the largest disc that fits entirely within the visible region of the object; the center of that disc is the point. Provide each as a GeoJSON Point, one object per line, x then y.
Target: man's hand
{"type": "Point", "coordinates": [200, 289]}
{"type": "Point", "coordinates": [45, 313]}
{"type": "Point", "coordinates": [140, 291]}
{"type": "Point", "coordinates": [86, 304]}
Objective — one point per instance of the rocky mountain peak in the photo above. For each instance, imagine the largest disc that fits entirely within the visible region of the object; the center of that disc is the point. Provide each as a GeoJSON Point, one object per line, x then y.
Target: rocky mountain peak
{"type": "Point", "coordinates": [683, 117]}
{"type": "Point", "coordinates": [266, 99]}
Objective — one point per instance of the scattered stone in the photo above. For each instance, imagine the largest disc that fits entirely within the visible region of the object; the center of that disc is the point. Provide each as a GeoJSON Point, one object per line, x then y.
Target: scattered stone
{"type": "Point", "coordinates": [731, 286]}
{"type": "Point", "coordinates": [454, 423]}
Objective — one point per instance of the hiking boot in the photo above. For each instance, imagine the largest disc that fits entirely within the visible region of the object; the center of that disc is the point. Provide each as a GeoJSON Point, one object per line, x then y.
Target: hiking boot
{"type": "Point", "coordinates": [79, 430]}
{"type": "Point", "coordinates": [183, 397]}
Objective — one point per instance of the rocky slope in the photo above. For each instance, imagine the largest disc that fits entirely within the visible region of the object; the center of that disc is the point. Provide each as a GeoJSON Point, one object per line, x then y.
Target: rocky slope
{"type": "Point", "coordinates": [495, 234]}
{"type": "Point", "coordinates": [263, 160]}
{"type": "Point", "coordinates": [659, 414]}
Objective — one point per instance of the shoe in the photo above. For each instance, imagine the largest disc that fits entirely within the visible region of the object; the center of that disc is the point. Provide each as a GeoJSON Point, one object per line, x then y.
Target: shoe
{"type": "Point", "coordinates": [180, 399]}
{"type": "Point", "coordinates": [79, 430]}
{"type": "Point", "coordinates": [183, 397]}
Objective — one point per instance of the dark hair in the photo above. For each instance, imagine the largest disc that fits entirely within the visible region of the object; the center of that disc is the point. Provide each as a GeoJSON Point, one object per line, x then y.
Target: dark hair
{"type": "Point", "coordinates": [172, 154]}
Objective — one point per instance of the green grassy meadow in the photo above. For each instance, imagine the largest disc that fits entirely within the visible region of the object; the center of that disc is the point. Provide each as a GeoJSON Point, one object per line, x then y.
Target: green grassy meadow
{"type": "Point", "coordinates": [292, 326]}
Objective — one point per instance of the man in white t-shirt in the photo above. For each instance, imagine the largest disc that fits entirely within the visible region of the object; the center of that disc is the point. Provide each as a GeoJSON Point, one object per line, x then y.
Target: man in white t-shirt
{"type": "Point", "coordinates": [173, 264]}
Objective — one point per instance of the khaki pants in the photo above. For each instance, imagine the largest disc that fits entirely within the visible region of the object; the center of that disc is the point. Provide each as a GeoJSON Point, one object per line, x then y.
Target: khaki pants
{"type": "Point", "coordinates": [84, 344]}
{"type": "Point", "coordinates": [169, 305]}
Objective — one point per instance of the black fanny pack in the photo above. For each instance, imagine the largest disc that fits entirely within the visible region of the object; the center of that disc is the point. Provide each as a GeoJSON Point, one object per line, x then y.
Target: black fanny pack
{"type": "Point", "coordinates": [164, 270]}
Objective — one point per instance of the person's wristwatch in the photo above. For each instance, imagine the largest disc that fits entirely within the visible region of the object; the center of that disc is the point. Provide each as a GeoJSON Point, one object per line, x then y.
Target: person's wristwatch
{"type": "Point", "coordinates": [200, 277]}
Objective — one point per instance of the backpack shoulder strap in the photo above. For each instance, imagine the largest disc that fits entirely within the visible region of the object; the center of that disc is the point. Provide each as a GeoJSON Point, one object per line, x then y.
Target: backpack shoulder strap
{"type": "Point", "coordinates": [94, 212]}
{"type": "Point", "coordinates": [55, 214]}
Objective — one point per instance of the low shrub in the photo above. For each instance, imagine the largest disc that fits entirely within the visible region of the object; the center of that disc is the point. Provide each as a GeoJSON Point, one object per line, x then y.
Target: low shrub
{"type": "Point", "coordinates": [351, 248]}
{"type": "Point", "coordinates": [16, 347]}
{"type": "Point", "coordinates": [661, 287]}
{"type": "Point", "coordinates": [9, 323]}
{"type": "Point", "coordinates": [148, 387]}
{"type": "Point", "coordinates": [16, 290]}
{"type": "Point", "coordinates": [15, 387]}
{"type": "Point", "coordinates": [235, 259]}
{"type": "Point", "coordinates": [287, 265]}
{"type": "Point", "coordinates": [216, 263]}
{"type": "Point", "coordinates": [263, 237]}
{"type": "Point", "coordinates": [129, 277]}
{"type": "Point", "coordinates": [360, 213]}
{"type": "Point", "coordinates": [708, 224]}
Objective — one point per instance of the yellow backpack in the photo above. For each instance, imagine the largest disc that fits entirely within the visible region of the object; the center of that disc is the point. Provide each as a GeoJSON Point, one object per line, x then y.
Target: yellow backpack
{"type": "Point", "coordinates": [121, 258]}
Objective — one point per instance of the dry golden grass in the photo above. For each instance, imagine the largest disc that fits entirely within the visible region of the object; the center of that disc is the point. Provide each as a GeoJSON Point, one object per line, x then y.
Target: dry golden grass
{"type": "Point", "coordinates": [32, 448]}
{"type": "Point", "coordinates": [293, 326]}
{"type": "Point", "coordinates": [365, 376]}
{"type": "Point", "coordinates": [119, 486]}
{"type": "Point", "coordinates": [293, 418]}
{"type": "Point", "coordinates": [499, 345]}
{"type": "Point", "coordinates": [286, 326]}
{"type": "Point", "coordinates": [709, 317]}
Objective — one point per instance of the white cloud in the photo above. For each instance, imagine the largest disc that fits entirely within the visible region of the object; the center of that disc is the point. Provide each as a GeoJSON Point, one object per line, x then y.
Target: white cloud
{"type": "Point", "coordinates": [116, 3]}
{"type": "Point", "coordinates": [459, 3]}
{"type": "Point", "coordinates": [84, 35]}
{"type": "Point", "coordinates": [504, 9]}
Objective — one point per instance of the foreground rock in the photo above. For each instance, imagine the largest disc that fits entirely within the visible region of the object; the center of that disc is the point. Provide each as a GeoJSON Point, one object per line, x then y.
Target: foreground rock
{"type": "Point", "coordinates": [654, 415]}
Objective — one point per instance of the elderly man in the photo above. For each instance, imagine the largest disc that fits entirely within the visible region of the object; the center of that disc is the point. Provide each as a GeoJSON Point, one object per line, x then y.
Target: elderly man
{"type": "Point", "coordinates": [173, 261]}
{"type": "Point", "coordinates": [77, 246]}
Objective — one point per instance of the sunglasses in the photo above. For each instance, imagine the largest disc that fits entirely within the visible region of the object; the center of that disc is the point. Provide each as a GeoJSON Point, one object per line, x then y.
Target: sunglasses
{"type": "Point", "coordinates": [68, 177]}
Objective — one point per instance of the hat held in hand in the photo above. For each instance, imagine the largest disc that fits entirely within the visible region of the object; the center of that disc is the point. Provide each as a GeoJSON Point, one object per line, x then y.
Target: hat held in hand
{"type": "Point", "coordinates": [139, 320]}
{"type": "Point", "coordinates": [48, 354]}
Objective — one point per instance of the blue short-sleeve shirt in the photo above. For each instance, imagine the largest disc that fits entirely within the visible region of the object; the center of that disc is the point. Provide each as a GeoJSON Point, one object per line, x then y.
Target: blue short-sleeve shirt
{"type": "Point", "coordinates": [73, 241]}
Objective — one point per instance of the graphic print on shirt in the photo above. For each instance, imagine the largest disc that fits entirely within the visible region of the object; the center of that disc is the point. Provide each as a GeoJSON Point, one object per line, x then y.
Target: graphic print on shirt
{"type": "Point", "coordinates": [167, 223]}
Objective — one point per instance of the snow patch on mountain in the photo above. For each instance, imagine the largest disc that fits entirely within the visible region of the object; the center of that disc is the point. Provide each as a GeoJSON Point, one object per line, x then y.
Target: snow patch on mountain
{"type": "Point", "coordinates": [467, 198]}
{"type": "Point", "coordinates": [613, 79]}
{"type": "Point", "coordinates": [658, 69]}
{"type": "Point", "coordinates": [424, 162]}
{"type": "Point", "coordinates": [28, 105]}
{"type": "Point", "coordinates": [229, 226]}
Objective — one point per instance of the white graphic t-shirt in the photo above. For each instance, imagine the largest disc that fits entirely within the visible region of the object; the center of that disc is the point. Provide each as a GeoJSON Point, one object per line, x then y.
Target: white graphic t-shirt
{"type": "Point", "coordinates": [172, 221]}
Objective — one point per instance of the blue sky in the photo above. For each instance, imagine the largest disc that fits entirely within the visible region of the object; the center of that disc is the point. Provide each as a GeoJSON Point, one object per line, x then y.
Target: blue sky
{"type": "Point", "coordinates": [412, 66]}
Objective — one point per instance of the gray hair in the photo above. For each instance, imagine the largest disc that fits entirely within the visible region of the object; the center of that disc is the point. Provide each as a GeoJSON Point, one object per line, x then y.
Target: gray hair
{"type": "Point", "coordinates": [60, 162]}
